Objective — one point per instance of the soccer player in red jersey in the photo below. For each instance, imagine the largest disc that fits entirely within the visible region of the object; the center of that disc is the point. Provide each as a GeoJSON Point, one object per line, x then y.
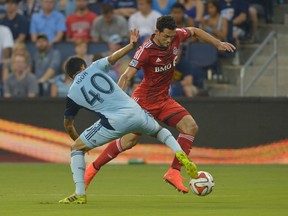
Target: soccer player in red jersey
{"type": "Point", "coordinates": [157, 57]}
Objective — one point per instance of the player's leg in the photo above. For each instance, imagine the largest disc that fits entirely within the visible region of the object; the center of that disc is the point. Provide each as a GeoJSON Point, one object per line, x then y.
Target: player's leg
{"type": "Point", "coordinates": [151, 127]}
{"type": "Point", "coordinates": [77, 165]}
{"type": "Point", "coordinates": [188, 130]}
{"type": "Point", "coordinates": [167, 138]}
{"type": "Point", "coordinates": [110, 152]}
{"type": "Point", "coordinates": [173, 114]}
{"type": "Point", "coordinates": [92, 137]}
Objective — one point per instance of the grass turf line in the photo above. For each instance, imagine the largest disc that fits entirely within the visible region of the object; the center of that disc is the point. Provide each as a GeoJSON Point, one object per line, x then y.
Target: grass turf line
{"type": "Point", "coordinates": [34, 189]}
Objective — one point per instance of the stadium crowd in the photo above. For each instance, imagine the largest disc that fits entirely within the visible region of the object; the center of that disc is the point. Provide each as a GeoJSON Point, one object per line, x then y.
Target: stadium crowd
{"type": "Point", "coordinates": [31, 64]}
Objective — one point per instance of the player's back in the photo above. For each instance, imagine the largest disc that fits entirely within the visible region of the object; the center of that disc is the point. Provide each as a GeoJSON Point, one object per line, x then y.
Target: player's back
{"type": "Point", "coordinates": [96, 91]}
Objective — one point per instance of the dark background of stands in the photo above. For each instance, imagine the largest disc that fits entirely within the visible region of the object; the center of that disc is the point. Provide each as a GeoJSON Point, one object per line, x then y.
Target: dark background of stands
{"type": "Point", "coordinates": [223, 122]}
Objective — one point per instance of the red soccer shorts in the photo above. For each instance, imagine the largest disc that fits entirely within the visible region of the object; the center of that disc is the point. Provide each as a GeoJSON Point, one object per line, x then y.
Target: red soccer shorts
{"type": "Point", "coordinates": [169, 111]}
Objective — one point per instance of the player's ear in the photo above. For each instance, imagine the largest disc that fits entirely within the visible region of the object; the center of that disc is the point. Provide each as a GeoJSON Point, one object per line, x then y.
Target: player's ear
{"type": "Point", "coordinates": [83, 67]}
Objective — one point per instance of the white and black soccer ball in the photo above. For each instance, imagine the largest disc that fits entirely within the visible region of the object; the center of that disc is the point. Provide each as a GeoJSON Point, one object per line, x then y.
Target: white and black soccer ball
{"type": "Point", "coordinates": [203, 185]}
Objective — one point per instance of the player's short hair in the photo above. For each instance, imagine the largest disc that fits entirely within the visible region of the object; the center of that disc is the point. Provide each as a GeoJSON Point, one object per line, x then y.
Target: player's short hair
{"type": "Point", "coordinates": [165, 21]}
{"type": "Point", "coordinates": [73, 66]}
{"type": "Point", "coordinates": [178, 5]}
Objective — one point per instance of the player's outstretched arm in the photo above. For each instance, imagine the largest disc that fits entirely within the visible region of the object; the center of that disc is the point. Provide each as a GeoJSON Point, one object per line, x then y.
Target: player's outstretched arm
{"type": "Point", "coordinates": [202, 35]}
{"type": "Point", "coordinates": [70, 128]}
{"type": "Point", "coordinates": [134, 37]}
{"type": "Point", "coordinates": [126, 77]}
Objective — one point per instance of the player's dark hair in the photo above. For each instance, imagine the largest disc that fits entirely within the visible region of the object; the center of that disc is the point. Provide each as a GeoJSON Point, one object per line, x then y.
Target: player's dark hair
{"type": "Point", "coordinates": [178, 5]}
{"type": "Point", "coordinates": [73, 66]}
{"type": "Point", "coordinates": [165, 21]}
{"type": "Point", "coordinates": [215, 3]}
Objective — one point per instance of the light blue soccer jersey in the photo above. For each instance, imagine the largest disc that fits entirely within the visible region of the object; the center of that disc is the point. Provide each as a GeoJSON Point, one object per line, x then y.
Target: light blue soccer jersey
{"type": "Point", "coordinates": [94, 90]}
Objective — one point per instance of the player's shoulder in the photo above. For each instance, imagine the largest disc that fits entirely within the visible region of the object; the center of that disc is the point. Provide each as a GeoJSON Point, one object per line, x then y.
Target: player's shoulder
{"type": "Point", "coordinates": [144, 49]}
{"type": "Point", "coordinates": [147, 45]}
{"type": "Point", "coordinates": [182, 30]}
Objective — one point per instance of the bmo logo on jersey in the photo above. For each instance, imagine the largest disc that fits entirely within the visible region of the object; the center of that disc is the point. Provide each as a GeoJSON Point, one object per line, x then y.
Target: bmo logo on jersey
{"type": "Point", "coordinates": [163, 68]}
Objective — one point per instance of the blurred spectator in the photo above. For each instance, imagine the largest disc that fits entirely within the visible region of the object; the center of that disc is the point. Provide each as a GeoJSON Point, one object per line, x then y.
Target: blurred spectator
{"type": "Point", "coordinates": [123, 7]}
{"type": "Point", "coordinates": [2, 8]}
{"type": "Point", "coordinates": [18, 49]}
{"type": "Point", "coordinates": [29, 7]}
{"type": "Point", "coordinates": [181, 19]}
{"type": "Point", "coordinates": [21, 83]}
{"type": "Point", "coordinates": [182, 84]}
{"type": "Point", "coordinates": [46, 63]}
{"type": "Point", "coordinates": [66, 7]}
{"type": "Point", "coordinates": [60, 85]}
{"type": "Point", "coordinates": [80, 23]}
{"type": "Point", "coordinates": [163, 6]}
{"type": "Point", "coordinates": [263, 8]}
{"type": "Point", "coordinates": [235, 11]}
{"type": "Point", "coordinates": [213, 22]}
{"type": "Point", "coordinates": [81, 48]}
{"type": "Point", "coordinates": [49, 22]}
{"type": "Point", "coordinates": [115, 43]}
{"type": "Point", "coordinates": [108, 24]}
{"type": "Point", "coordinates": [194, 9]}
{"type": "Point", "coordinates": [257, 8]}
{"type": "Point", "coordinates": [6, 44]}
{"type": "Point", "coordinates": [144, 20]}
{"type": "Point", "coordinates": [16, 22]}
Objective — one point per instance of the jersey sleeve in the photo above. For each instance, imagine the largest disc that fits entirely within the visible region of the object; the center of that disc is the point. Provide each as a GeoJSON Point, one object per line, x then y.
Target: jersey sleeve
{"type": "Point", "coordinates": [102, 64]}
{"type": "Point", "coordinates": [183, 33]}
{"type": "Point", "coordinates": [72, 109]}
{"type": "Point", "coordinates": [139, 58]}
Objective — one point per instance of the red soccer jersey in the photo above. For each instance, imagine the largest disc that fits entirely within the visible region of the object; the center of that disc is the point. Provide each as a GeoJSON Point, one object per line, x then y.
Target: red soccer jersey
{"type": "Point", "coordinates": [79, 27]}
{"type": "Point", "coordinates": [158, 65]}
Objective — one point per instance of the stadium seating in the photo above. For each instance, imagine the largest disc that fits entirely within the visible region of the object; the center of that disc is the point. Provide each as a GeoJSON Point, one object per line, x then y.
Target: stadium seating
{"type": "Point", "coordinates": [201, 55]}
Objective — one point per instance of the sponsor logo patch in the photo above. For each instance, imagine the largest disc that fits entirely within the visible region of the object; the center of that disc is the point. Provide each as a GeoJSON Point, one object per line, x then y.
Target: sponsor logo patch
{"type": "Point", "coordinates": [133, 63]}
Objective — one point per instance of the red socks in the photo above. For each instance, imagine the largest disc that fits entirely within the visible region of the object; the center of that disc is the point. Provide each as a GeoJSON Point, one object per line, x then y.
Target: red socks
{"type": "Point", "coordinates": [109, 153]}
{"type": "Point", "coordinates": [185, 141]}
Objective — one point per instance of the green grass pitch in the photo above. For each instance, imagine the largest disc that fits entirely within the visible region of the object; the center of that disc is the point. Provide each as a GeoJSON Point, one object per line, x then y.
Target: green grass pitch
{"type": "Point", "coordinates": [138, 190]}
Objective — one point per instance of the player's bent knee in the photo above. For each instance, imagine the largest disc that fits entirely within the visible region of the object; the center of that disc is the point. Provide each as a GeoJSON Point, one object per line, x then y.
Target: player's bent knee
{"type": "Point", "coordinates": [188, 126]}
{"type": "Point", "coordinates": [79, 145]}
{"type": "Point", "coordinates": [129, 141]}
{"type": "Point", "coordinates": [191, 128]}
{"type": "Point", "coordinates": [130, 145]}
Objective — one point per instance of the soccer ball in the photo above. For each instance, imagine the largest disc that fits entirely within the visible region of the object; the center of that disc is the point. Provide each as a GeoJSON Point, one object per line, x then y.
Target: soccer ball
{"type": "Point", "coordinates": [203, 185]}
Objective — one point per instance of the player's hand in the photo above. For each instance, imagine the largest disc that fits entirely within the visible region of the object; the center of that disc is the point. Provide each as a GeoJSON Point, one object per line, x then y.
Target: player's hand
{"type": "Point", "coordinates": [134, 37]}
{"type": "Point", "coordinates": [225, 46]}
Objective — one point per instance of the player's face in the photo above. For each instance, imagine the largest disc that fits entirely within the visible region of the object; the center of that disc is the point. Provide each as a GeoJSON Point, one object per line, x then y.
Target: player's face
{"type": "Point", "coordinates": [165, 37]}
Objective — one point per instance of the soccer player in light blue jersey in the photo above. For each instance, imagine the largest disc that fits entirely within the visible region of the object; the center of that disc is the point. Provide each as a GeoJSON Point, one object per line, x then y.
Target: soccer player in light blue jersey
{"type": "Point", "coordinates": [119, 114]}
